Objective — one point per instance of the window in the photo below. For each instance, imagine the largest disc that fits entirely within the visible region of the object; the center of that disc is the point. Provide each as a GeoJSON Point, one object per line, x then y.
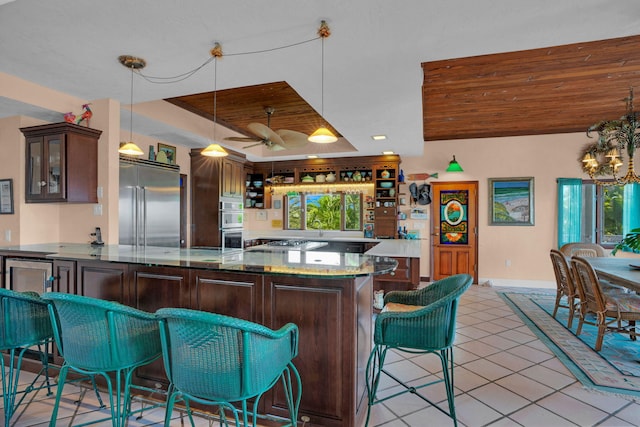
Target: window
{"type": "Point", "coordinates": [335, 211]}
{"type": "Point", "coordinates": [593, 213]}
{"type": "Point", "coordinates": [602, 214]}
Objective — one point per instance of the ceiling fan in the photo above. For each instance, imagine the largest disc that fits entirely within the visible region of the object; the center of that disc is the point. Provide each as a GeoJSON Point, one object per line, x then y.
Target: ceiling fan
{"type": "Point", "coordinates": [278, 140]}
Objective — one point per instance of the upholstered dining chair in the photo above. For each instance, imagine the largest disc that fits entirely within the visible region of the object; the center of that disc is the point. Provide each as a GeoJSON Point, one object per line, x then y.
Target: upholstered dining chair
{"type": "Point", "coordinates": [25, 327]}
{"type": "Point", "coordinates": [565, 286]}
{"type": "Point", "coordinates": [421, 321]}
{"type": "Point", "coordinates": [584, 250]}
{"type": "Point", "coordinates": [219, 360]}
{"type": "Point", "coordinates": [102, 338]}
{"type": "Point", "coordinates": [611, 309]}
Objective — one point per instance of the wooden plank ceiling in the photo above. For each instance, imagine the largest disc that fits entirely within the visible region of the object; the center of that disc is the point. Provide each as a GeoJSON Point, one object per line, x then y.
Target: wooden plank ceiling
{"type": "Point", "coordinates": [237, 107]}
{"type": "Point", "coordinates": [541, 91]}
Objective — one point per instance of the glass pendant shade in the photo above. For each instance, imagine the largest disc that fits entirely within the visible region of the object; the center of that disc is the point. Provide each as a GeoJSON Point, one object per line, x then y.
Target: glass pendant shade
{"type": "Point", "coordinates": [130, 149]}
{"type": "Point", "coordinates": [322, 136]}
{"type": "Point", "coordinates": [214, 150]}
{"type": "Point", "coordinates": [454, 166]}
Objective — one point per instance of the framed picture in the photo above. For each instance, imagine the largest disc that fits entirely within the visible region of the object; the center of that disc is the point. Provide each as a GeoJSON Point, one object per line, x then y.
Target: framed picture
{"type": "Point", "coordinates": [368, 231]}
{"type": "Point", "coordinates": [511, 201]}
{"type": "Point", "coordinates": [169, 151]}
{"type": "Point", "coordinates": [6, 196]}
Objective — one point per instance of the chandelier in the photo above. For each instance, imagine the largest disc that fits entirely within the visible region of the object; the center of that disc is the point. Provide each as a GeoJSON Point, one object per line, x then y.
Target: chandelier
{"type": "Point", "coordinates": [604, 158]}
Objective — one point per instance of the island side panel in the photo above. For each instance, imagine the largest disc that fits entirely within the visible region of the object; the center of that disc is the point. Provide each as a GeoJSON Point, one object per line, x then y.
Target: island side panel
{"type": "Point", "coordinates": [232, 294]}
{"type": "Point", "coordinates": [152, 288]}
{"type": "Point", "coordinates": [103, 280]}
{"type": "Point", "coordinates": [326, 312]}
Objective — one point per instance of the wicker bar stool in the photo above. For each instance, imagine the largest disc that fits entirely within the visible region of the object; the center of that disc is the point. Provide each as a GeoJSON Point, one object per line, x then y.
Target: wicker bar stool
{"type": "Point", "coordinates": [220, 360]}
{"type": "Point", "coordinates": [96, 338]}
{"type": "Point", "coordinates": [25, 325]}
{"type": "Point", "coordinates": [417, 322]}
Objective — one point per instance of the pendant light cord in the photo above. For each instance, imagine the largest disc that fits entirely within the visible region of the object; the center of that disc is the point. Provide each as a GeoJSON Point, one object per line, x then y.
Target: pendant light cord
{"type": "Point", "coordinates": [322, 84]}
{"type": "Point", "coordinates": [131, 110]}
{"type": "Point", "coordinates": [215, 96]}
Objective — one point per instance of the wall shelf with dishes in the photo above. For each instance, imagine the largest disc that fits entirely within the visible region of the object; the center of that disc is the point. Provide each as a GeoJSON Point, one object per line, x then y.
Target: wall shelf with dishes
{"type": "Point", "coordinates": [254, 194]}
{"type": "Point", "coordinates": [386, 212]}
{"type": "Point", "coordinates": [355, 174]}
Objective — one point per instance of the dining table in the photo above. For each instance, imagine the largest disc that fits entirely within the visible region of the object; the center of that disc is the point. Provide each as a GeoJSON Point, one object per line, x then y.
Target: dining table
{"type": "Point", "coordinates": [619, 271]}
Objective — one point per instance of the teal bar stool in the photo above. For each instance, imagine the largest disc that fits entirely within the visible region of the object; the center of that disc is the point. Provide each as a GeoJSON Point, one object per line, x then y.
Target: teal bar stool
{"type": "Point", "coordinates": [97, 337]}
{"type": "Point", "coordinates": [25, 325]}
{"type": "Point", "coordinates": [218, 360]}
{"type": "Point", "coordinates": [417, 322]}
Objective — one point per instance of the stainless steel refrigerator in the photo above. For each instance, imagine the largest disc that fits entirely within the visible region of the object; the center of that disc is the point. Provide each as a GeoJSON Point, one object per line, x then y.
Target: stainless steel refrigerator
{"type": "Point", "coordinates": [149, 204]}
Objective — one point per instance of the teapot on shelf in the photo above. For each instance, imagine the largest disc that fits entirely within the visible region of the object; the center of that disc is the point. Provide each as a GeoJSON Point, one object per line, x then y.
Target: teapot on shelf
{"type": "Point", "coordinates": [357, 176]}
{"type": "Point", "coordinates": [331, 177]}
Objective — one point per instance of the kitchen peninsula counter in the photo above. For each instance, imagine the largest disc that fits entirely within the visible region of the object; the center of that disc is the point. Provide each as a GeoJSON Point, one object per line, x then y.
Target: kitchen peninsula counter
{"type": "Point", "coordinates": [327, 294]}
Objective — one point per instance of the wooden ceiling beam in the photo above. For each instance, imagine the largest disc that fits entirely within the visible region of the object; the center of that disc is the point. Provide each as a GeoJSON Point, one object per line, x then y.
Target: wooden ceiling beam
{"type": "Point", "coordinates": [540, 91]}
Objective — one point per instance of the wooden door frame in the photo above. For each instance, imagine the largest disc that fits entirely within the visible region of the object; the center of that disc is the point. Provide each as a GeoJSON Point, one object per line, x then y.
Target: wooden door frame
{"type": "Point", "coordinates": [434, 215]}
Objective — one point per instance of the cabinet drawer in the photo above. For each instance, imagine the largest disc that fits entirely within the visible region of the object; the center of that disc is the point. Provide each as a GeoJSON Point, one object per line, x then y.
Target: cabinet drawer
{"type": "Point", "coordinates": [401, 274]}
{"type": "Point", "coordinates": [386, 212]}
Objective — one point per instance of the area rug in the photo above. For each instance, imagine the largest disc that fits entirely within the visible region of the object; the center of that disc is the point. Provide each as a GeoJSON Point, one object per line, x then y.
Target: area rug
{"type": "Point", "coordinates": [615, 369]}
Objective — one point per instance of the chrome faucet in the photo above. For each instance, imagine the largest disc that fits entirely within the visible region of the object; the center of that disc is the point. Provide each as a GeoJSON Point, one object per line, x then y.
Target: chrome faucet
{"type": "Point", "coordinates": [320, 231]}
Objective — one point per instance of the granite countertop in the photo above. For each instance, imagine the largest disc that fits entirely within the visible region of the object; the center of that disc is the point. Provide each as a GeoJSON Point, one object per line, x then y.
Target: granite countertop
{"type": "Point", "coordinates": [285, 262]}
{"type": "Point", "coordinates": [407, 248]}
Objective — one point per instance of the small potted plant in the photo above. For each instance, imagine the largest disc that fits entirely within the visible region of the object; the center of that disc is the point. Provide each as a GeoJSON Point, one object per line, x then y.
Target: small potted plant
{"type": "Point", "coordinates": [630, 243]}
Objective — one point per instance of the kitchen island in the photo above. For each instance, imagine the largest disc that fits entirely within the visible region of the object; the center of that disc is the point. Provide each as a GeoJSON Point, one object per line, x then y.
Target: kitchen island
{"type": "Point", "coordinates": [407, 252]}
{"type": "Point", "coordinates": [327, 294]}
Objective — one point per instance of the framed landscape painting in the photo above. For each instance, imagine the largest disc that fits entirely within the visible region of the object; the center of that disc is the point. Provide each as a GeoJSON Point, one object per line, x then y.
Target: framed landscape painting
{"type": "Point", "coordinates": [169, 151]}
{"type": "Point", "coordinates": [511, 201]}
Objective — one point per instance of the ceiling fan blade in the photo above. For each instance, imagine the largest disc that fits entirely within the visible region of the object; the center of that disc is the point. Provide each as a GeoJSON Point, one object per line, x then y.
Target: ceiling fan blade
{"type": "Point", "coordinates": [265, 132]}
{"type": "Point", "coordinates": [292, 138]}
{"type": "Point", "coordinates": [276, 147]}
{"type": "Point", "coordinates": [243, 139]}
{"type": "Point", "coordinates": [254, 145]}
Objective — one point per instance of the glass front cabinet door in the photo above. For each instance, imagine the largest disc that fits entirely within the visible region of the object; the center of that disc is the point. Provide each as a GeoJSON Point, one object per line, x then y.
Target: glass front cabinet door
{"type": "Point", "coordinates": [44, 168]}
{"type": "Point", "coordinates": [61, 163]}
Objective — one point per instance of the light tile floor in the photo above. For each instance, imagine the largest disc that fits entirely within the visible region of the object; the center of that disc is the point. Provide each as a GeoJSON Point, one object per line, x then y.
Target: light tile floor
{"type": "Point", "coordinates": [504, 376]}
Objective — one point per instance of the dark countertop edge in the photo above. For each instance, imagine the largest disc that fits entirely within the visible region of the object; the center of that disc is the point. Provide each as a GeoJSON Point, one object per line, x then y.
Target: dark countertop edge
{"type": "Point", "coordinates": [38, 250]}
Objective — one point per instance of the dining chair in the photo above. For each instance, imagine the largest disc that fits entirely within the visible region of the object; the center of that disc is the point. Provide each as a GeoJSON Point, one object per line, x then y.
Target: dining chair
{"type": "Point", "coordinates": [102, 338]}
{"type": "Point", "coordinates": [219, 360]}
{"type": "Point", "coordinates": [420, 321]}
{"type": "Point", "coordinates": [584, 250]}
{"type": "Point", "coordinates": [565, 286]}
{"type": "Point", "coordinates": [609, 308]}
{"type": "Point", "coordinates": [25, 327]}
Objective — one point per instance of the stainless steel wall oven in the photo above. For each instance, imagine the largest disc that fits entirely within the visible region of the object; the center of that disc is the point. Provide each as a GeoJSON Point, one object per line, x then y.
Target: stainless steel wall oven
{"type": "Point", "coordinates": [231, 223]}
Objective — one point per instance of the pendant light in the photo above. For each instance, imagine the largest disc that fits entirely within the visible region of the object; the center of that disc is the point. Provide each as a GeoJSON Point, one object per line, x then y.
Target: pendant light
{"type": "Point", "coordinates": [214, 149]}
{"type": "Point", "coordinates": [454, 166]}
{"type": "Point", "coordinates": [134, 63]}
{"type": "Point", "coordinates": [323, 135]}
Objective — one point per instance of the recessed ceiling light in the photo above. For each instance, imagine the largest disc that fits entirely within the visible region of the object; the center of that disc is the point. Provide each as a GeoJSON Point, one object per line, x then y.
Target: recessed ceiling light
{"type": "Point", "coordinates": [378, 137]}
{"type": "Point", "coordinates": [312, 156]}
{"type": "Point", "coordinates": [386, 153]}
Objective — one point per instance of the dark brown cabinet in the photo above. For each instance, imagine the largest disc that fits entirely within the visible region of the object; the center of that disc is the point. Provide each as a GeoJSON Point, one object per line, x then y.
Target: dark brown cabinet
{"type": "Point", "coordinates": [404, 278]}
{"type": "Point", "coordinates": [233, 181]}
{"type": "Point", "coordinates": [212, 178]}
{"type": "Point", "coordinates": [61, 163]}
